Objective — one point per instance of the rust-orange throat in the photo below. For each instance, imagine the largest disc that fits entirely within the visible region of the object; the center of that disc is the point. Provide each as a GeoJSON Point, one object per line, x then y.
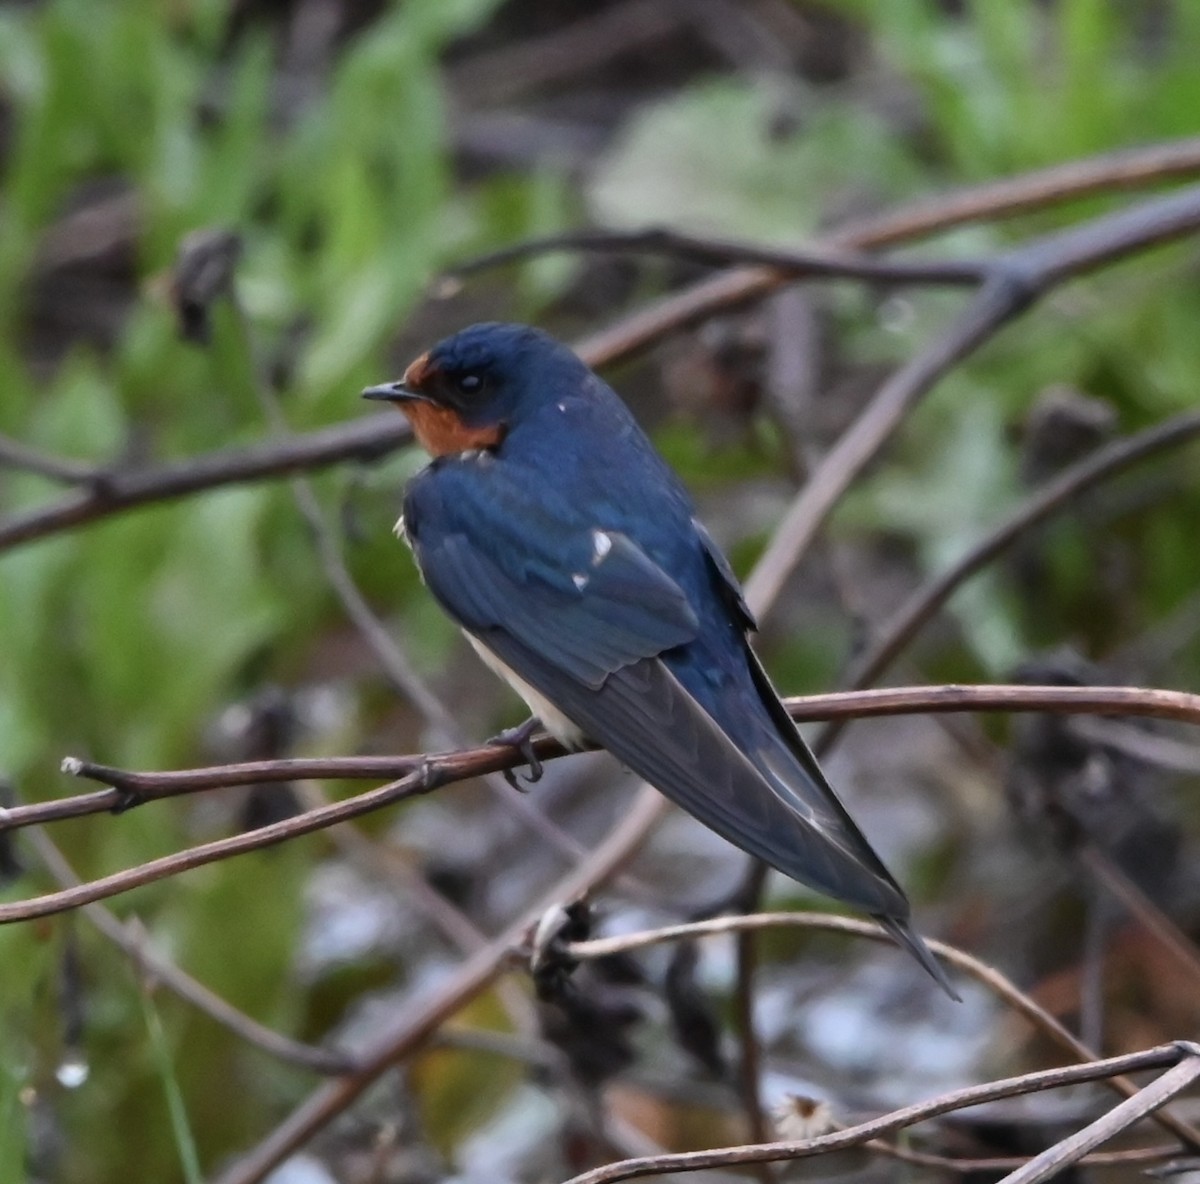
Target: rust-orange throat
{"type": "Point", "coordinates": [439, 428]}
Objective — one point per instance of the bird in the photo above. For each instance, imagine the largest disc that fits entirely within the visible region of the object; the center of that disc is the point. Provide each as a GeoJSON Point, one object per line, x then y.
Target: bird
{"type": "Point", "coordinates": [549, 528]}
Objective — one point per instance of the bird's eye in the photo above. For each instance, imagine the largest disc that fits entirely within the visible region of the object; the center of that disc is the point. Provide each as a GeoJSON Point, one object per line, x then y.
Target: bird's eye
{"type": "Point", "coordinates": [469, 383]}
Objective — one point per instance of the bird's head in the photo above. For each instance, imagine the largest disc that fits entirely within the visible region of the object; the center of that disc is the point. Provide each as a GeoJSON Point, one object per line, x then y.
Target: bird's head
{"type": "Point", "coordinates": [471, 389]}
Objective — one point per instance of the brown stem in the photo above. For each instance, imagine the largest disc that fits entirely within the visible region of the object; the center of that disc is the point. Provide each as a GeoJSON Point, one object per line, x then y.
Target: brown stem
{"type": "Point", "coordinates": [365, 439]}
{"type": "Point", "coordinates": [475, 975]}
{"type": "Point", "coordinates": [814, 263]}
{"type": "Point", "coordinates": [129, 937]}
{"type": "Point", "coordinates": [899, 630]}
{"type": "Point", "coordinates": [1165, 1056]}
{"type": "Point", "coordinates": [989, 976]}
{"type": "Point", "coordinates": [471, 762]}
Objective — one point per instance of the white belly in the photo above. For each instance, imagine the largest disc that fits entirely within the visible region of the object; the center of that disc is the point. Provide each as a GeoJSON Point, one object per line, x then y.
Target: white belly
{"type": "Point", "coordinates": [562, 729]}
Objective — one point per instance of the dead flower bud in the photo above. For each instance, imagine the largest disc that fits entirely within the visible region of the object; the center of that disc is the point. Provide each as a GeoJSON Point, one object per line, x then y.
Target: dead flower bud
{"type": "Point", "coordinates": [798, 1117]}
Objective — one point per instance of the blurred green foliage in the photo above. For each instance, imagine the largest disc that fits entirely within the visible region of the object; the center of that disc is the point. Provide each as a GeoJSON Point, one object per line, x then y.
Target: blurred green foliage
{"type": "Point", "coordinates": [124, 640]}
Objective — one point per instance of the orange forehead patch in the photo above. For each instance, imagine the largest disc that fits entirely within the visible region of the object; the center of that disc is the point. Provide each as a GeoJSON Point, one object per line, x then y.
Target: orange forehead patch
{"type": "Point", "coordinates": [441, 430]}
{"type": "Point", "coordinates": [419, 372]}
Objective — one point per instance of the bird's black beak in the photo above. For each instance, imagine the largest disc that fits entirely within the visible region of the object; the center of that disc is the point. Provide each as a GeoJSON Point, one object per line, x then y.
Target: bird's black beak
{"type": "Point", "coordinates": [395, 392]}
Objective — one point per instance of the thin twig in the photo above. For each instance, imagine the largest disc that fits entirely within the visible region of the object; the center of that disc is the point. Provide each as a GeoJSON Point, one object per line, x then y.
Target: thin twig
{"type": "Point", "coordinates": [898, 631]}
{"type": "Point", "coordinates": [816, 262]}
{"type": "Point", "coordinates": [1071, 1149]}
{"type": "Point", "coordinates": [989, 976]}
{"type": "Point", "coordinates": [131, 938]}
{"type": "Point", "coordinates": [365, 439]}
{"type": "Point", "coordinates": [1018, 279]}
{"type": "Point", "coordinates": [1164, 1056]}
{"type": "Point", "coordinates": [133, 786]}
{"type": "Point", "coordinates": [420, 1021]}
{"type": "Point", "coordinates": [15, 455]}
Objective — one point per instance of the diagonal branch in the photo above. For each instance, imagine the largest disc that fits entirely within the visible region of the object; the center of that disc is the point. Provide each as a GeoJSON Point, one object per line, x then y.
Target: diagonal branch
{"type": "Point", "coordinates": [416, 1024]}
{"type": "Point", "coordinates": [1127, 168]}
{"type": "Point", "coordinates": [1018, 279]}
{"type": "Point", "coordinates": [898, 631]}
{"type": "Point", "coordinates": [989, 976]}
{"type": "Point", "coordinates": [365, 439]}
{"type": "Point", "coordinates": [130, 938]}
{"type": "Point", "coordinates": [375, 436]}
{"type": "Point", "coordinates": [1074, 1147]}
{"type": "Point", "coordinates": [1164, 1056]}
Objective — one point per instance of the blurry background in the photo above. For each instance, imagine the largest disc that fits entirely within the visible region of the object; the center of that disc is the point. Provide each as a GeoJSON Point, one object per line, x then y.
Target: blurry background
{"type": "Point", "coordinates": [359, 150]}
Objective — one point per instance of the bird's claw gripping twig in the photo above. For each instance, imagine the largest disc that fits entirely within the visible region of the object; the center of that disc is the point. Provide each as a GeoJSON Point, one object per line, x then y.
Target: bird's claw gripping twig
{"type": "Point", "coordinates": [521, 739]}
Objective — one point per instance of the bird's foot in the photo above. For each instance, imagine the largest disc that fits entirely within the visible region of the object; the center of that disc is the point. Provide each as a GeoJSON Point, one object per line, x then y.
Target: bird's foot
{"type": "Point", "coordinates": [521, 739]}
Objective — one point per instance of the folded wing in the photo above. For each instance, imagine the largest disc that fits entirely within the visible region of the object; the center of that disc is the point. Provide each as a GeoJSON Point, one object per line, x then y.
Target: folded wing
{"type": "Point", "coordinates": [595, 626]}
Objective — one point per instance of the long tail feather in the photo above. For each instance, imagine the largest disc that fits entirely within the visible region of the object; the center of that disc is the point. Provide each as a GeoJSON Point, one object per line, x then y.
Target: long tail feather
{"type": "Point", "coordinates": [909, 939]}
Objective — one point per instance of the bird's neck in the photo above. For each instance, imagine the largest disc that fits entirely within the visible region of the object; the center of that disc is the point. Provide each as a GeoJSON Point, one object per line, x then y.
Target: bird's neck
{"type": "Point", "coordinates": [442, 432]}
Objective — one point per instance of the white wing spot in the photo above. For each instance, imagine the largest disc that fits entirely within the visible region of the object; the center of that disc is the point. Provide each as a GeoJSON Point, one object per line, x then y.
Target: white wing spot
{"type": "Point", "coordinates": [562, 407]}
{"type": "Point", "coordinates": [601, 545]}
{"type": "Point", "coordinates": [398, 530]}
{"type": "Point", "coordinates": [579, 580]}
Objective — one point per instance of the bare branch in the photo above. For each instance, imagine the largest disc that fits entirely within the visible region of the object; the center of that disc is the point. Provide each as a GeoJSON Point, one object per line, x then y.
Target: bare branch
{"type": "Point", "coordinates": [421, 1020]}
{"type": "Point", "coordinates": [265, 836]}
{"type": "Point", "coordinates": [655, 1165]}
{"type": "Point", "coordinates": [988, 976]}
{"type": "Point", "coordinates": [997, 199]}
{"type": "Point", "coordinates": [814, 263]}
{"type": "Point", "coordinates": [365, 439]}
{"type": "Point", "coordinates": [896, 633]}
{"type": "Point", "coordinates": [15, 455]}
{"type": "Point", "coordinates": [132, 787]}
{"type": "Point", "coordinates": [133, 941]}
{"type": "Point", "coordinates": [1016, 281]}
{"type": "Point", "coordinates": [1120, 1118]}
{"type": "Point", "coordinates": [1127, 168]}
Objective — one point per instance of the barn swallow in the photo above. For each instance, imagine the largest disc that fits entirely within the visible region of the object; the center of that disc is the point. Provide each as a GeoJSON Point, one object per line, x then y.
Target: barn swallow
{"type": "Point", "coordinates": [549, 528]}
